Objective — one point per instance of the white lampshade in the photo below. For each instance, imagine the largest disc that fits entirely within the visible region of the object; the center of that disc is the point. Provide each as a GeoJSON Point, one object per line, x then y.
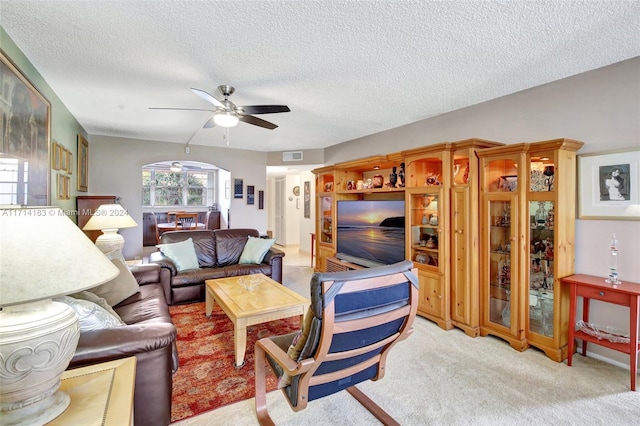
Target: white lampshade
{"type": "Point", "coordinates": [225, 118]}
{"type": "Point", "coordinates": [109, 218]}
{"type": "Point", "coordinates": [43, 254]}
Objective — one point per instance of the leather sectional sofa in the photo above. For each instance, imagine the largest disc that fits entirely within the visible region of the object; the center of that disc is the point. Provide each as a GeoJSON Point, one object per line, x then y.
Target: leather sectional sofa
{"type": "Point", "coordinates": [218, 253]}
{"type": "Point", "coordinates": [149, 335]}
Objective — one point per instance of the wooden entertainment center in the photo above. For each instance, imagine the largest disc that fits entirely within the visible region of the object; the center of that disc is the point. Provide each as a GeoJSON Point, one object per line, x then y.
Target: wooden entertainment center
{"type": "Point", "coordinates": [485, 263]}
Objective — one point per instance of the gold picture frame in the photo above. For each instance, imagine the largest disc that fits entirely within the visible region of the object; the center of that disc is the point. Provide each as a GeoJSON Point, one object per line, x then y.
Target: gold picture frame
{"type": "Point", "coordinates": [62, 185]}
{"type": "Point", "coordinates": [69, 162]}
{"type": "Point", "coordinates": [25, 124]}
{"type": "Point", "coordinates": [63, 158]}
{"type": "Point", "coordinates": [55, 155]}
{"type": "Point", "coordinates": [83, 164]}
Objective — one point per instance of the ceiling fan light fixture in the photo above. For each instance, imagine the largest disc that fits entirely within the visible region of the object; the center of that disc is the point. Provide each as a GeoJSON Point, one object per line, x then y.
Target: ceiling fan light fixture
{"type": "Point", "coordinates": [176, 167]}
{"type": "Point", "coordinates": [225, 119]}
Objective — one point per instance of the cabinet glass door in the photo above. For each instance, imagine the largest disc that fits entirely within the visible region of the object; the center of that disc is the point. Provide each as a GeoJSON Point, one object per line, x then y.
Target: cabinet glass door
{"type": "Point", "coordinates": [425, 228]}
{"type": "Point", "coordinates": [326, 219]}
{"type": "Point", "coordinates": [500, 263]}
{"type": "Point", "coordinates": [541, 249]}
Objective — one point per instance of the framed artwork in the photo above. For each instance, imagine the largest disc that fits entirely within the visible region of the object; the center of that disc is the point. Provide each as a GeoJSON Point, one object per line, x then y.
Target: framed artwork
{"type": "Point", "coordinates": [62, 185]}
{"type": "Point", "coordinates": [25, 124]}
{"type": "Point", "coordinates": [251, 194]}
{"type": "Point", "coordinates": [83, 164]}
{"type": "Point", "coordinates": [69, 162]}
{"type": "Point", "coordinates": [260, 200]}
{"type": "Point", "coordinates": [63, 158]}
{"type": "Point", "coordinates": [55, 155]}
{"type": "Point", "coordinates": [608, 186]}
{"type": "Point", "coordinates": [238, 186]}
{"type": "Point", "coordinates": [307, 199]}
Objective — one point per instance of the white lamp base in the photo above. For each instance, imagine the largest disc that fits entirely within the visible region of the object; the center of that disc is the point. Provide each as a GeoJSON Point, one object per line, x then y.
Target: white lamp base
{"type": "Point", "coordinates": [37, 341]}
{"type": "Point", "coordinates": [110, 240]}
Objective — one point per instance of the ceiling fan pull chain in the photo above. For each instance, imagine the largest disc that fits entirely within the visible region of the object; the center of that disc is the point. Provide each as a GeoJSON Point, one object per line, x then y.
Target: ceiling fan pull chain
{"type": "Point", "coordinates": [225, 135]}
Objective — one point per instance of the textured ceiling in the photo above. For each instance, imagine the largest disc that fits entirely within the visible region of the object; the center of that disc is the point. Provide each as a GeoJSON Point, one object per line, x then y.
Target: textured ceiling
{"type": "Point", "coordinates": [345, 68]}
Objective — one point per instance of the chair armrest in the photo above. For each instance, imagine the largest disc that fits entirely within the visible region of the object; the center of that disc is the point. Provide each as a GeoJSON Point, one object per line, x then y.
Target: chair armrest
{"type": "Point", "coordinates": [162, 260]}
{"type": "Point", "coordinates": [290, 366]}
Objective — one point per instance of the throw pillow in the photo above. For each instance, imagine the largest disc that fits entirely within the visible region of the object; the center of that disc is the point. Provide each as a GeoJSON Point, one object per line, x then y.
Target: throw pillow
{"type": "Point", "coordinates": [124, 285]}
{"type": "Point", "coordinates": [255, 249]}
{"type": "Point", "coordinates": [297, 344]}
{"type": "Point", "coordinates": [87, 295]}
{"type": "Point", "coordinates": [183, 254]}
{"type": "Point", "coordinates": [90, 315]}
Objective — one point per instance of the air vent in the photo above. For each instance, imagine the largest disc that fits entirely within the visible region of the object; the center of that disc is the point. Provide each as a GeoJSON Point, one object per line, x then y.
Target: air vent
{"type": "Point", "coordinates": [292, 156]}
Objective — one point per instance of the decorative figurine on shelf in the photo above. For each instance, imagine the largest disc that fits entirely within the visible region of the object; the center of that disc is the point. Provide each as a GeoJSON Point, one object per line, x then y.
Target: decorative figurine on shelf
{"type": "Point", "coordinates": [613, 262]}
{"type": "Point", "coordinates": [401, 175]}
{"type": "Point", "coordinates": [393, 178]}
{"type": "Point", "coordinates": [424, 219]}
{"type": "Point", "coordinates": [551, 215]}
{"type": "Point", "coordinates": [465, 178]}
{"type": "Point", "coordinates": [432, 179]}
{"type": "Point", "coordinates": [549, 172]}
{"type": "Point", "coordinates": [541, 215]}
{"type": "Point", "coordinates": [378, 181]}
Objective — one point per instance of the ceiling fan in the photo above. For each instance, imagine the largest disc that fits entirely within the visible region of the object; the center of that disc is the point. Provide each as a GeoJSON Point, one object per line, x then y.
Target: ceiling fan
{"type": "Point", "coordinates": [227, 114]}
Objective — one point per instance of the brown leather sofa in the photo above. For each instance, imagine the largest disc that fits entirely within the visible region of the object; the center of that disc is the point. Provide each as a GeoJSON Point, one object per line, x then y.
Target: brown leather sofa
{"type": "Point", "coordinates": [218, 254]}
{"type": "Point", "coordinates": [149, 336]}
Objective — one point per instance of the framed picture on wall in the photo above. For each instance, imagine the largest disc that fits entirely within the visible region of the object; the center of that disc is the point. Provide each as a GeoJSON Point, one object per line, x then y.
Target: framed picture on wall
{"type": "Point", "coordinates": [83, 164]}
{"type": "Point", "coordinates": [307, 199]}
{"type": "Point", "coordinates": [25, 133]}
{"type": "Point", "coordinates": [238, 188]}
{"type": "Point", "coordinates": [608, 186]}
{"type": "Point", "coordinates": [251, 194]}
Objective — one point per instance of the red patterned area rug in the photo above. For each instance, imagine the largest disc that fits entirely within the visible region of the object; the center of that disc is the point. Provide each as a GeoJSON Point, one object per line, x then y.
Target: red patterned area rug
{"type": "Point", "coordinates": [207, 378]}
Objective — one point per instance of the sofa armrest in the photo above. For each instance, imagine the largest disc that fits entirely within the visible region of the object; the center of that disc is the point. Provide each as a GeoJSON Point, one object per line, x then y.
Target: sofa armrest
{"type": "Point", "coordinates": [146, 273]}
{"type": "Point", "coordinates": [162, 260]}
{"type": "Point", "coordinates": [274, 259]}
{"type": "Point", "coordinates": [120, 342]}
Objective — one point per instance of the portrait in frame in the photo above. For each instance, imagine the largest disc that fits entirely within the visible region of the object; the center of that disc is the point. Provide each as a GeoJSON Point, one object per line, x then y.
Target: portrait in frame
{"type": "Point", "coordinates": [83, 164]}
{"type": "Point", "coordinates": [608, 185]}
{"type": "Point", "coordinates": [25, 132]}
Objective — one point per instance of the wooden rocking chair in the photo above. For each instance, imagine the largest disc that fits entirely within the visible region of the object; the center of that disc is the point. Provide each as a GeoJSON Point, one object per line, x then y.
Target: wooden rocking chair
{"type": "Point", "coordinates": [353, 321]}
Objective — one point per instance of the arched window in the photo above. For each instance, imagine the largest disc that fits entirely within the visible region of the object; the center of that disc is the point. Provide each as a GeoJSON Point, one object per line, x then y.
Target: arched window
{"type": "Point", "coordinates": [190, 184]}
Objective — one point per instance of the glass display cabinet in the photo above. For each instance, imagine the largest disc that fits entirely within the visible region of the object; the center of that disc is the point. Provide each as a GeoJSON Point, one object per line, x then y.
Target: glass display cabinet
{"type": "Point", "coordinates": [427, 198]}
{"type": "Point", "coordinates": [526, 251]}
{"type": "Point", "coordinates": [464, 235]}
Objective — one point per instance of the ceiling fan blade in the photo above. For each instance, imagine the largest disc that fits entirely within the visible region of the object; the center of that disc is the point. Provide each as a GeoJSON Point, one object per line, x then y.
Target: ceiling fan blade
{"type": "Point", "coordinates": [207, 97]}
{"type": "Point", "coordinates": [209, 123]}
{"type": "Point", "coordinates": [257, 121]}
{"type": "Point", "coordinates": [184, 109]}
{"type": "Point", "coordinates": [263, 109]}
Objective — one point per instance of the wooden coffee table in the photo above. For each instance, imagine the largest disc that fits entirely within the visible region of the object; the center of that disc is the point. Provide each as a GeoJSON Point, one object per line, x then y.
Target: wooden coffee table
{"type": "Point", "coordinates": [269, 301]}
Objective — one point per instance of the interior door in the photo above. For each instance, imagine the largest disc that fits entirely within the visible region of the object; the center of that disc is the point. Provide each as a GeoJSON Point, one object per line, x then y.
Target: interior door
{"type": "Point", "coordinates": [280, 228]}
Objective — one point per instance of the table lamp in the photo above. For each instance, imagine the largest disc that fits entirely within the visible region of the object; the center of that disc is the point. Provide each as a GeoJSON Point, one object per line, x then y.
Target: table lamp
{"type": "Point", "coordinates": [108, 218]}
{"type": "Point", "coordinates": [43, 255]}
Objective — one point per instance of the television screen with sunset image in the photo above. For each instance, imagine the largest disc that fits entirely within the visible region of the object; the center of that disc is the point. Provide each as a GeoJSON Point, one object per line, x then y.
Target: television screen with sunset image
{"type": "Point", "coordinates": [371, 232]}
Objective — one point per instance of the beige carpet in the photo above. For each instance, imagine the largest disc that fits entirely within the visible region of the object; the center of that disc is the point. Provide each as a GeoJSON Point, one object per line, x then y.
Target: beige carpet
{"type": "Point", "coordinates": [439, 377]}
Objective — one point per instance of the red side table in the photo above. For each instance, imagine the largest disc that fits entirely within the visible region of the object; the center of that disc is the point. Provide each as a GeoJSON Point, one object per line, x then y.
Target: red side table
{"type": "Point", "coordinates": [625, 294]}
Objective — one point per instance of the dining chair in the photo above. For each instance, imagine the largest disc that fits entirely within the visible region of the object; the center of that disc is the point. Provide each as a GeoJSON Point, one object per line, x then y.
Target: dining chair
{"type": "Point", "coordinates": [354, 320]}
{"type": "Point", "coordinates": [155, 227]}
{"type": "Point", "coordinates": [173, 214]}
{"type": "Point", "coordinates": [186, 221]}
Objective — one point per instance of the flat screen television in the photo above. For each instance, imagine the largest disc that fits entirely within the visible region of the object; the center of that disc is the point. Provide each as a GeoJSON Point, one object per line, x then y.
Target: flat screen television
{"type": "Point", "coordinates": [370, 232]}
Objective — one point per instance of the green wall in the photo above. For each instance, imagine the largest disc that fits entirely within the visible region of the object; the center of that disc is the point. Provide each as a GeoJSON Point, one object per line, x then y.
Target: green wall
{"type": "Point", "coordinates": [64, 127]}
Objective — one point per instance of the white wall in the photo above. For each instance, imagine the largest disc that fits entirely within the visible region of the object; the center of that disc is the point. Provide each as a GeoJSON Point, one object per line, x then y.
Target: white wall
{"type": "Point", "coordinates": [115, 166]}
{"type": "Point", "coordinates": [600, 108]}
